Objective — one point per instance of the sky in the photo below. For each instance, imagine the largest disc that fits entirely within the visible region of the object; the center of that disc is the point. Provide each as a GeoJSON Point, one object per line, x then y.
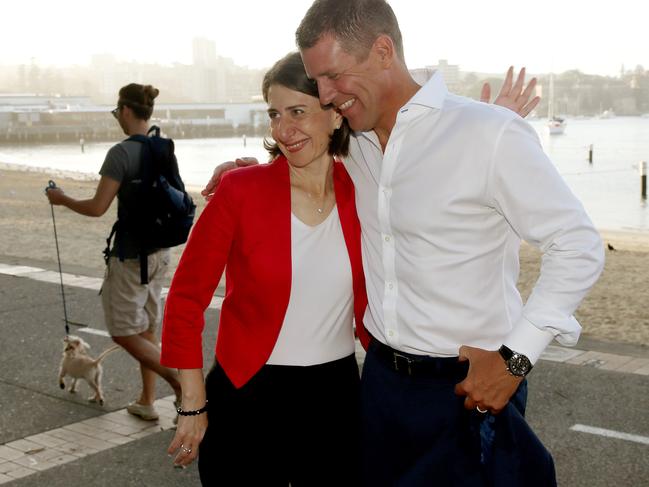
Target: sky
{"type": "Point", "coordinates": [550, 36]}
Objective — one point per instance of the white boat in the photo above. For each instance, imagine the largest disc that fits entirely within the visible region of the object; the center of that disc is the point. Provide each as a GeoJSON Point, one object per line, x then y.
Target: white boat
{"type": "Point", "coordinates": [607, 114]}
{"type": "Point", "coordinates": [556, 125]}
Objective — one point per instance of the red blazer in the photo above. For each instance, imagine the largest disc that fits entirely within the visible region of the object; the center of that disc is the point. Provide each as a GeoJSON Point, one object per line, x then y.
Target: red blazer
{"type": "Point", "coordinates": [247, 225]}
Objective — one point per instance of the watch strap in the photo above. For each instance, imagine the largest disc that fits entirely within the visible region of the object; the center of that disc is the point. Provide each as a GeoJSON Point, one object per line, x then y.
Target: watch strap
{"type": "Point", "coordinates": [505, 352]}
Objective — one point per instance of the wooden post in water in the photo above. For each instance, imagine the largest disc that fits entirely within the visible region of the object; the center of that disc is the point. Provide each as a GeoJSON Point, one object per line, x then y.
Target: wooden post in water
{"type": "Point", "coordinates": [590, 154]}
{"type": "Point", "coordinates": [643, 179]}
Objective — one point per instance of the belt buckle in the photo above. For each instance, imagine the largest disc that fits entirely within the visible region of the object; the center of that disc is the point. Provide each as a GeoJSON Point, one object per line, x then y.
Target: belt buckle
{"type": "Point", "coordinates": [396, 356]}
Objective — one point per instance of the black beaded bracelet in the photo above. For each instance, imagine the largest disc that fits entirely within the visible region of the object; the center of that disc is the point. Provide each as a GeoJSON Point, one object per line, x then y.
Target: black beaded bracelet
{"type": "Point", "coordinates": [196, 412]}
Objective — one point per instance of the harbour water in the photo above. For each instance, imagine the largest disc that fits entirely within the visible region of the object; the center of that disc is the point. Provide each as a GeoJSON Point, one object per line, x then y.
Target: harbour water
{"type": "Point", "coordinates": [609, 187]}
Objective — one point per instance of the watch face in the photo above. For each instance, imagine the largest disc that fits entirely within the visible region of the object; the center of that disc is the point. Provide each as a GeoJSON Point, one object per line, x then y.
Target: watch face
{"type": "Point", "coordinates": [519, 365]}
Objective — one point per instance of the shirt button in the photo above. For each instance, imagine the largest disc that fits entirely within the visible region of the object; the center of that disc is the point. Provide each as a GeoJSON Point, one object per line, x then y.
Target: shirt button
{"type": "Point", "coordinates": [390, 333]}
{"type": "Point", "coordinates": [387, 238]}
{"type": "Point", "coordinates": [390, 285]}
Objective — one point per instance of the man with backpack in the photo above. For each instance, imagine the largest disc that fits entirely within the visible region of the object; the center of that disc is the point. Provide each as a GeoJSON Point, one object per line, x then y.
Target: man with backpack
{"type": "Point", "coordinates": [154, 213]}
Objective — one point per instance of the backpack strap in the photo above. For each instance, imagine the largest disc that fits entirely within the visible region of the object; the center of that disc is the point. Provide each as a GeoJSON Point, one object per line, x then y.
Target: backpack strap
{"type": "Point", "coordinates": [147, 174]}
{"type": "Point", "coordinates": [144, 267]}
{"type": "Point", "coordinates": [120, 247]}
{"type": "Point", "coordinates": [108, 240]}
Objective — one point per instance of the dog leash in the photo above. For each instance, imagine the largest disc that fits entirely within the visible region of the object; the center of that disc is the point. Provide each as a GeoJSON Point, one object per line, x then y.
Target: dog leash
{"type": "Point", "coordinates": [52, 185]}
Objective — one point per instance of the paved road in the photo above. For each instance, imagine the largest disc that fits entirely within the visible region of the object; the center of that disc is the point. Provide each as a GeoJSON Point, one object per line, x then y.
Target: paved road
{"type": "Point", "coordinates": [562, 395]}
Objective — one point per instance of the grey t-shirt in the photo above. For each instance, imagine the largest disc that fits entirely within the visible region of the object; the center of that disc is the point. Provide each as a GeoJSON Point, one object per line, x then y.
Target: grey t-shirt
{"type": "Point", "coordinates": [122, 164]}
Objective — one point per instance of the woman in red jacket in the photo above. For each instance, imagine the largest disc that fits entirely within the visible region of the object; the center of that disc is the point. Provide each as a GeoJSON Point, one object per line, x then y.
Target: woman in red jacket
{"type": "Point", "coordinates": [283, 391]}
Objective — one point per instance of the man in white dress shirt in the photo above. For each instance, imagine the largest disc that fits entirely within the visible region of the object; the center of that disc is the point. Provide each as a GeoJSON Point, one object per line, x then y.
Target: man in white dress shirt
{"type": "Point", "coordinates": [446, 189]}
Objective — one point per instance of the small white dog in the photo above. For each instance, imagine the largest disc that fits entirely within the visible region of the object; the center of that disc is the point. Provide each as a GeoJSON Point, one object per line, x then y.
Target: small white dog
{"type": "Point", "coordinates": [79, 365]}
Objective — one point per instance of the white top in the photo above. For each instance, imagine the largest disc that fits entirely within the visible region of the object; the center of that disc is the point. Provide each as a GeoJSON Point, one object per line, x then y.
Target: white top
{"type": "Point", "coordinates": [442, 213]}
{"type": "Point", "coordinates": [317, 326]}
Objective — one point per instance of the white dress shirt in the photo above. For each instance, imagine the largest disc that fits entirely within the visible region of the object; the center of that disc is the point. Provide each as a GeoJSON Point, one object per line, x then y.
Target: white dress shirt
{"type": "Point", "coordinates": [442, 214]}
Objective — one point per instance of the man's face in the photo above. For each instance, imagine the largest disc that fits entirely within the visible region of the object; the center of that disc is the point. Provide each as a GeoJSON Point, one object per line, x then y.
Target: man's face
{"type": "Point", "coordinates": [119, 114]}
{"type": "Point", "coordinates": [352, 87]}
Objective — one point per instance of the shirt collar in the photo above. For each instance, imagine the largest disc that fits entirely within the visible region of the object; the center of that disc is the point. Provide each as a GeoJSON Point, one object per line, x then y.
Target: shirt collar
{"type": "Point", "coordinates": [432, 94]}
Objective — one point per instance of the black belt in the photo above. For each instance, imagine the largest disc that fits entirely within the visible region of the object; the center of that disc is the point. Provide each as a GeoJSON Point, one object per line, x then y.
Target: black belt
{"type": "Point", "coordinates": [419, 365]}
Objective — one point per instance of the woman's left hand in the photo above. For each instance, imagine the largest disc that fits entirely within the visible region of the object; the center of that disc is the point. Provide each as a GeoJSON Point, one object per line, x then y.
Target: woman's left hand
{"type": "Point", "coordinates": [514, 95]}
{"type": "Point", "coordinates": [188, 437]}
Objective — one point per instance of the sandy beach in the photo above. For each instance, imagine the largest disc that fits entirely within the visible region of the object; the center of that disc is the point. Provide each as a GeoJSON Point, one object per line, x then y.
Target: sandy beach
{"type": "Point", "coordinates": [616, 310]}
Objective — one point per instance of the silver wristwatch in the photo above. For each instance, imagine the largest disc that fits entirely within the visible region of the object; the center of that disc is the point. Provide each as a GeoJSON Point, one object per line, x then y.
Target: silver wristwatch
{"type": "Point", "coordinates": [518, 364]}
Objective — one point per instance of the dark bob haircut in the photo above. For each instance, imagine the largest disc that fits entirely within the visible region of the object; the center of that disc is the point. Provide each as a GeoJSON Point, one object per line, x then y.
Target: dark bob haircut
{"type": "Point", "coordinates": [138, 98]}
{"type": "Point", "coordinates": [289, 72]}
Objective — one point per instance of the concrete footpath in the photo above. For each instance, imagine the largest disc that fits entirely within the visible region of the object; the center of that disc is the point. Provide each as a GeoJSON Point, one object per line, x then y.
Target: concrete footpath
{"type": "Point", "coordinates": [589, 405]}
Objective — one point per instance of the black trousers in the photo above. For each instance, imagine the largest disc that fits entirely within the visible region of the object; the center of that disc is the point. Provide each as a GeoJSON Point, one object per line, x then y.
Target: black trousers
{"type": "Point", "coordinates": [416, 432]}
{"type": "Point", "coordinates": [297, 425]}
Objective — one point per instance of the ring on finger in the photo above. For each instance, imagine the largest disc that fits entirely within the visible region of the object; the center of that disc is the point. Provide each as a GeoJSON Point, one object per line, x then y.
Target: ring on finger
{"type": "Point", "coordinates": [481, 411]}
{"type": "Point", "coordinates": [185, 449]}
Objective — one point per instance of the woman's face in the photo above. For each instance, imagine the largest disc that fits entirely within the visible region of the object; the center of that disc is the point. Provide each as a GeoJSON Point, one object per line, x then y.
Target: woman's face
{"type": "Point", "coordinates": [119, 115]}
{"type": "Point", "coordinates": [299, 125]}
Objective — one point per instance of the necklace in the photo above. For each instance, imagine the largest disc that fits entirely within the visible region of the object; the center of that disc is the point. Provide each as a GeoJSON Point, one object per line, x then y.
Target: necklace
{"type": "Point", "coordinates": [319, 207]}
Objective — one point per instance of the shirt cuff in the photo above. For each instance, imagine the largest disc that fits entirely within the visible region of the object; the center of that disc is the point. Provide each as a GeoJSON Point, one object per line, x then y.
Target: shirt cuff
{"type": "Point", "coordinates": [528, 339]}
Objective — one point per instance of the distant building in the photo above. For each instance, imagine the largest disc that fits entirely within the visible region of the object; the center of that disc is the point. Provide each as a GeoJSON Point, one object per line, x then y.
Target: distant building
{"type": "Point", "coordinates": [450, 73]}
{"type": "Point", "coordinates": [110, 76]}
{"type": "Point", "coordinates": [204, 52]}
{"type": "Point", "coordinates": [217, 79]}
{"type": "Point", "coordinates": [28, 118]}
{"type": "Point", "coordinates": [33, 102]}
{"type": "Point", "coordinates": [421, 75]}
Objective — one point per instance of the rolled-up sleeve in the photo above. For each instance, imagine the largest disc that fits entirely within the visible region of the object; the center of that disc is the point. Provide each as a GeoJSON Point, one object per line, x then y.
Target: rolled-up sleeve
{"type": "Point", "coordinates": [197, 276]}
{"type": "Point", "coordinates": [533, 197]}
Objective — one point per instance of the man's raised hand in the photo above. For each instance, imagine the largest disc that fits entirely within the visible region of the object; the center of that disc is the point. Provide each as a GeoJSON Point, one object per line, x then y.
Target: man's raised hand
{"type": "Point", "coordinates": [221, 169]}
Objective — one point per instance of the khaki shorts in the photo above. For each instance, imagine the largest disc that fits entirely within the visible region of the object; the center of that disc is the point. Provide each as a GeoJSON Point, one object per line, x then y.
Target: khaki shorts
{"type": "Point", "coordinates": [131, 308]}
